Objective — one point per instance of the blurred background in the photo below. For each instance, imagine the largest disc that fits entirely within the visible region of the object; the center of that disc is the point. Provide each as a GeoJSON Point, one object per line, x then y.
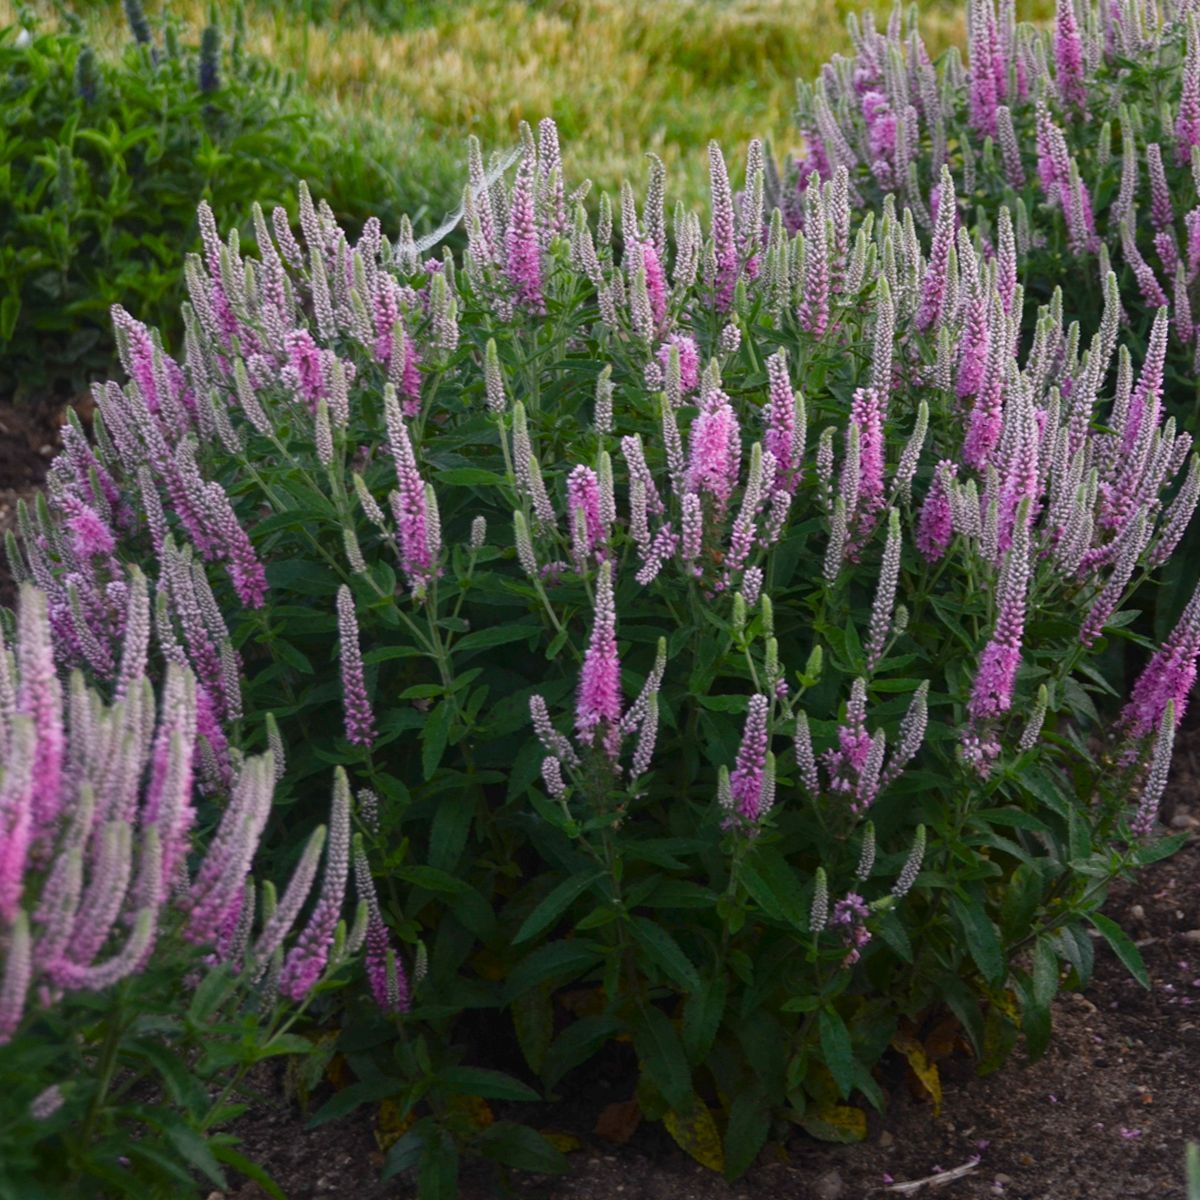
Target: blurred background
{"type": "Point", "coordinates": [117, 118]}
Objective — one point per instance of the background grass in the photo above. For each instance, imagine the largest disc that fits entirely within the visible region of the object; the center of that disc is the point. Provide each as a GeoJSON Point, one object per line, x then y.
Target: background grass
{"type": "Point", "coordinates": [621, 77]}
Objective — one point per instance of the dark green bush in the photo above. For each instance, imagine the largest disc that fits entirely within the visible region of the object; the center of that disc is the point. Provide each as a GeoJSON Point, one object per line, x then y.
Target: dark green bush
{"type": "Point", "coordinates": [102, 165]}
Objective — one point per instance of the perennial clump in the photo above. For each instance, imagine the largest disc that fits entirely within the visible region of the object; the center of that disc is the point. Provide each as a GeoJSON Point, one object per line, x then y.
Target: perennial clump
{"type": "Point", "coordinates": [793, 480]}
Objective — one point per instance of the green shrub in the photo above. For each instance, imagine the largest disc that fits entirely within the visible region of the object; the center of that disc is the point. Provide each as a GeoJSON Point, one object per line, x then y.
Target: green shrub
{"type": "Point", "coordinates": [102, 165]}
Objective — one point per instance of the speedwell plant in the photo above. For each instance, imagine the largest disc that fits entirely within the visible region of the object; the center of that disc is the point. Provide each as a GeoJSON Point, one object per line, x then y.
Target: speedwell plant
{"type": "Point", "coordinates": [713, 629]}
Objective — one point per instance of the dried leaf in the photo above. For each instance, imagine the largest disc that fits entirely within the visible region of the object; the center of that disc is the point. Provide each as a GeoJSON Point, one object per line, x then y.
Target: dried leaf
{"type": "Point", "coordinates": [390, 1126]}
{"type": "Point", "coordinates": [836, 1123]}
{"type": "Point", "coordinates": [925, 1072]}
{"type": "Point", "coordinates": [563, 1142]}
{"type": "Point", "coordinates": [476, 1110]}
{"type": "Point", "coordinates": [618, 1122]}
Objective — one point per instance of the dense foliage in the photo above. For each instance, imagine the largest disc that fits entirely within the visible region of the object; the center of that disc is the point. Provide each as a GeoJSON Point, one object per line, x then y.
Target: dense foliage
{"type": "Point", "coordinates": [827, 627]}
{"type": "Point", "coordinates": [102, 165]}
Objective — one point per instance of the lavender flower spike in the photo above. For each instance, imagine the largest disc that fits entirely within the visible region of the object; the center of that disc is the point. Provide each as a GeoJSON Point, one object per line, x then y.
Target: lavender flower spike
{"type": "Point", "coordinates": [1156, 774]}
{"type": "Point", "coordinates": [993, 688]}
{"type": "Point", "coordinates": [747, 779]}
{"type": "Point", "coordinates": [933, 287]}
{"type": "Point", "coordinates": [284, 916]}
{"type": "Point", "coordinates": [598, 705]}
{"type": "Point", "coordinates": [306, 960]}
{"type": "Point", "coordinates": [522, 248]}
{"type": "Point", "coordinates": [360, 720]}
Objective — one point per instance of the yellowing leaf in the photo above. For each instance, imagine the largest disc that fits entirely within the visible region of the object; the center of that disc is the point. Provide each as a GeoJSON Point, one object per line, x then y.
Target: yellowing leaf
{"type": "Point", "coordinates": [836, 1123]}
{"type": "Point", "coordinates": [476, 1110]}
{"type": "Point", "coordinates": [564, 1143]}
{"type": "Point", "coordinates": [924, 1070]}
{"type": "Point", "coordinates": [697, 1134]}
{"type": "Point", "coordinates": [390, 1127]}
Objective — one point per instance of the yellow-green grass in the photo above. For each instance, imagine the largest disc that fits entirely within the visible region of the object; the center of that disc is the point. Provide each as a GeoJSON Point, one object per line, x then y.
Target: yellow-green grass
{"type": "Point", "coordinates": [621, 77]}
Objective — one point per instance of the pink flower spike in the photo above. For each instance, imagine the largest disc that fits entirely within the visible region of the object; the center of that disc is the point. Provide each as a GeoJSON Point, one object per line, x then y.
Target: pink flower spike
{"type": "Point", "coordinates": [523, 266]}
{"type": "Point", "coordinates": [747, 778]}
{"type": "Point", "coordinates": [598, 705]}
{"type": "Point", "coordinates": [307, 958]}
{"type": "Point", "coordinates": [360, 720]}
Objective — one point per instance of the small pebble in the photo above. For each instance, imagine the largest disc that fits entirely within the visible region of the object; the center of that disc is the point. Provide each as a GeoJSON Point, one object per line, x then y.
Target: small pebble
{"type": "Point", "coordinates": [830, 1186]}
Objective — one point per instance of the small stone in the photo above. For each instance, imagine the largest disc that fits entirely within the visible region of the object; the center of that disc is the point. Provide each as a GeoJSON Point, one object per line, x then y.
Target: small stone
{"type": "Point", "coordinates": [1003, 1179]}
{"type": "Point", "coordinates": [1185, 821]}
{"type": "Point", "coordinates": [1192, 935]}
{"type": "Point", "coordinates": [1137, 912]}
{"type": "Point", "coordinates": [830, 1186]}
{"type": "Point", "coordinates": [886, 1139]}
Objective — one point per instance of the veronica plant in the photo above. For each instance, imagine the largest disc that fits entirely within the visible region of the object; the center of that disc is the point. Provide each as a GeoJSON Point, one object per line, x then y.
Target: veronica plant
{"type": "Point", "coordinates": [142, 971]}
{"type": "Point", "coordinates": [713, 628]}
{"type": "Point", "coordinates": [1086, 131]}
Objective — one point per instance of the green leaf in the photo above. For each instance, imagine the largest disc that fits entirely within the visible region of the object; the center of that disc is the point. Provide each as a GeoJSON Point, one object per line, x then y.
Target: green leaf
{"type": "Point", "coordinates": [449, 831]}
{"type": "Point", "coordinates": [576, 1044]}
{"type": "Point", "coordinates": [210, 994]}
{"type": "Point", "coordinates": [481, 1081]}
{"type": "Point", "coordinates": [1152, 852]}
{"type": "Point", "coordinates": [470, 477]}
{"type": "Point", "coordinates": [10, 309]}
{"type": "Point", "coordinates": [433, 880]}
{"type": "Point", "coordinates": [665, 952]}
{"type": "Point", "coordinates": [434, 735]}
{"type": "Point", "coordinates": [349, 1098]}
{"type": "Point", "coordinates": [661, 1052]}
{"type": "Point", "coordinates": [247, 1167]}
{"type": "Point", "coordinates": [1076, 947]}
{"type": "Point", "coordinates": [194, 1149]}
{"type": "Point", "coordinates": [552, 906]}
{"type": "Point", "coordinates": [982, 939]}
{"type": "Point", "coordinates": [773, 884]}
{"type": "Point", "coordinates": [438, 1179]}
{"type": "Point", "coordinates": [891, 930]}
{"type": "Point", "coordinates": [185, 1090]}
{"type": "Point", "coordinates": [520, 1147]}
{"type": "Point", "coordinates": [836, 1050]}
{"type": "Point", "coordinates": [1045, 972]}
{"type": "Point", "coordinates": [702, 1013]}
{"type": "Point", "coordinates": [533, 1020]}
{"type": "Point", "coordinates": [406, 1153]}
{"type": "Point", "coordinates": [746, 1133]}
{"type": "Point", "coordinates": [1122, 947]}
{"type": "Point", "coordinates": [560, 961]}
{"type": "Point", "coordinates": [493, 635]}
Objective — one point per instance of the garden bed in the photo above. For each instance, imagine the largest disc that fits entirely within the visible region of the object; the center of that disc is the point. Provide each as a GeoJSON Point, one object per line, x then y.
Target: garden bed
{"type": "Point", "coordinates": [1104, 1114]}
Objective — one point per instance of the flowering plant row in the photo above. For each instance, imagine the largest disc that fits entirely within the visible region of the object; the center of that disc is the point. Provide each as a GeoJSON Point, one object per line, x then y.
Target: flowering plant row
{"type": "Point", "coordinates": [712, 628]}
